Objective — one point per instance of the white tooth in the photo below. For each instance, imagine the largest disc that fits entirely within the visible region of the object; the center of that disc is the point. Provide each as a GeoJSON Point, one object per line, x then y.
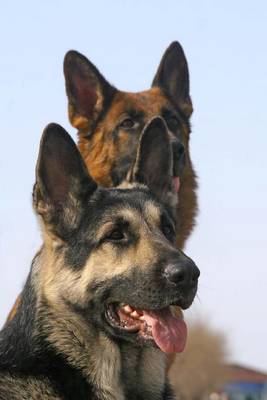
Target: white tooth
{"type": "Point", "coordinates": [134, 314]}
{"type": "Point", "coordinates": [142, 317]}
{"type": "Point", "coordinates": [128, 309]}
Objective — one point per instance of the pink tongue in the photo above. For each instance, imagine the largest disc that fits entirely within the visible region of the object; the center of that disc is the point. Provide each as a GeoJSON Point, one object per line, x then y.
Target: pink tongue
{"type": "Point", "coordinates": [176, 182]}
{"type": "Point", "coordinates": [169, 332]}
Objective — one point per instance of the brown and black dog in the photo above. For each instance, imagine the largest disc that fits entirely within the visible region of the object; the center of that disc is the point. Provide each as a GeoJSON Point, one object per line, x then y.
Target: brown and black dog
{"type": "Point", "coordinates": [110, 121]}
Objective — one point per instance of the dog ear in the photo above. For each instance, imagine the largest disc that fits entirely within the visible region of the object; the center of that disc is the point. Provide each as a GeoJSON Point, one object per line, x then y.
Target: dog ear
{"type": "Point", "coordinates": [62, 181]}
{"type": "Point", "coordinates": [87, 91]}
{"type": "Point", "coordinates": [173, 77]}
{"type": "Point", "coordinates": [153, 164]}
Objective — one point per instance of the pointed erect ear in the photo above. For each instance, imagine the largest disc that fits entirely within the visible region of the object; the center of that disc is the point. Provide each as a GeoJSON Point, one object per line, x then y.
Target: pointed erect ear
{"type": "Point", "coordinates": [173, 77]}
{"type": "Point", "coordinates": [87, 90]}
{"type": "Point", "coordinates": [153, 165]}
{"type": "Point", "coordinates": [62, 181]}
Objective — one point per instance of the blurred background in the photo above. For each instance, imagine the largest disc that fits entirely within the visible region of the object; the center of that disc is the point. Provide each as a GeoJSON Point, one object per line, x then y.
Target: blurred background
{"type": "Point", "coordinates": [226, 47]}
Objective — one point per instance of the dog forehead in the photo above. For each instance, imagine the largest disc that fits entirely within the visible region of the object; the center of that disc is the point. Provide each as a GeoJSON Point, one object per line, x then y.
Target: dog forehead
{"type": "Point", "coordinates": [148, 212]}
{"type": "Point", "coordinates": [149, 102]}
{"type": "Point", "coordinates": [152, 212]}
{"type": "Point", "coordinates": [133, 205]}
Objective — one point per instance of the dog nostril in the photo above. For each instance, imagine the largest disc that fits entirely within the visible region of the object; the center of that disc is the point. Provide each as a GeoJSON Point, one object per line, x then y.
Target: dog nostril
{"type": "Point", "coordinates": [175, 274]}
{"type": "Point", "coordinates": [183, 274]}
{"type": "Point", "coordinates": [179, 277]}
{"type": "Point", "coordinates": [180, 149]}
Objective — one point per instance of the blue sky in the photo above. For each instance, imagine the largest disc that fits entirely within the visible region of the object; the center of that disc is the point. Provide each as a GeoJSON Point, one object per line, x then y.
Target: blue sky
{"type": "Point", "coordinates": [226, 47]}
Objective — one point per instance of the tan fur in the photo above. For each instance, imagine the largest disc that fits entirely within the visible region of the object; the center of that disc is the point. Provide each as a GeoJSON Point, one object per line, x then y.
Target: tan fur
{"type": "Point", "coordinates": [13, 311]}
{"type": "Point", "coordinates": [21, 387]}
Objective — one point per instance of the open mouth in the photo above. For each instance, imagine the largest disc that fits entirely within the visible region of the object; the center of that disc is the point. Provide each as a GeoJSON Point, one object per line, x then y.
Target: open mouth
{"type": "Point", "coordinates": [168, 331]}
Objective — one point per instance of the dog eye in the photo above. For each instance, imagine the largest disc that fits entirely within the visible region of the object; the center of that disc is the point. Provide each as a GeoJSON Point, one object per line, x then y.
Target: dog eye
{"type": "Point", "coordinates": [173, 122]}
{"type": "Point", "coordinates": [115, 235]}
{"type": "Point", "coordinates": [168, 231]}
{"type": "Point", "coordinates": [127, 123]}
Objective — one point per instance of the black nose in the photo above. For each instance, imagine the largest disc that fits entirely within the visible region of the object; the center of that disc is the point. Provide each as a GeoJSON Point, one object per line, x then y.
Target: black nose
{"type": "Point", "coordinates": [178, 148]}
{"type": "Point", "coordinates": [178, 151]}
{"type": "Point", "coordinates": [183, 273]}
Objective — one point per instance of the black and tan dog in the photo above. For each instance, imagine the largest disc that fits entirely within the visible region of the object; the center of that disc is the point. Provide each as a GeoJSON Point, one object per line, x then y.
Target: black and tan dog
{"type": "Point", "coordinates": [94, 320]}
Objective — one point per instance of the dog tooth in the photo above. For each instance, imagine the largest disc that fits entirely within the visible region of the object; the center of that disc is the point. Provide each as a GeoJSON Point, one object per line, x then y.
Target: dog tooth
{"type": "Point", "coordinates": [128, 309]}
{"type": "Point", "coordinates": [142, 317]}
{"type": "Point", "coordinates": [135, 314]}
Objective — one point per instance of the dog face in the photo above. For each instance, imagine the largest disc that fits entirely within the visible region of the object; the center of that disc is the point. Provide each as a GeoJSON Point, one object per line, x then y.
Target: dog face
{"type": "Point", "coordinates": [113, 260]}
{"type": "Point", "coordinates": [110, 123]}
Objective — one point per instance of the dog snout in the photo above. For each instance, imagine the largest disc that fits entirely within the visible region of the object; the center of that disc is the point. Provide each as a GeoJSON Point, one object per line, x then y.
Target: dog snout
{"type": "Point", "coordinates": [183, 273]}
{"type": "Point", "coordinates": [178, 148]}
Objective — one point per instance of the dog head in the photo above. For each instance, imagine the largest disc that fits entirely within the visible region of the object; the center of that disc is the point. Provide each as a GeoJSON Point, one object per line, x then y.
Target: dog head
{"type": "Point", "coordinates": [110, 121]}
{"type": "Point", "coordinates": [110, 254]}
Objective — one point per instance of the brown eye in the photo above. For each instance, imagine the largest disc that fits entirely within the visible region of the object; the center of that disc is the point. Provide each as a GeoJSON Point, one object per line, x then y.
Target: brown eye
{"type": "Point", "coordinates": [127, 123]}
{"type": "Point", "coordinates": [168, 231]}
{"type": "Point", "coordinates": [115, 235]}
{"type": "Point", "coordinates": [173, 122]}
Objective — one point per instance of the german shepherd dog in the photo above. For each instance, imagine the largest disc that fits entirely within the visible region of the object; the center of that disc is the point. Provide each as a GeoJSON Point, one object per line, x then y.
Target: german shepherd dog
{"type": "Point", "coordinates": [94, 320]}
{"type": "Point", "coordinates": [110, 123]}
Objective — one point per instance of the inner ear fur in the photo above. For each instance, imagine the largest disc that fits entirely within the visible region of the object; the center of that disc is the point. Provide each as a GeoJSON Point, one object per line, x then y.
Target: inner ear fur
{"type": "Point", "coordinates": [62, 181]}
{"type": "Point", "coordinates": [87, 90]}
{"type": "Point", "coordinates": [173, 77]}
